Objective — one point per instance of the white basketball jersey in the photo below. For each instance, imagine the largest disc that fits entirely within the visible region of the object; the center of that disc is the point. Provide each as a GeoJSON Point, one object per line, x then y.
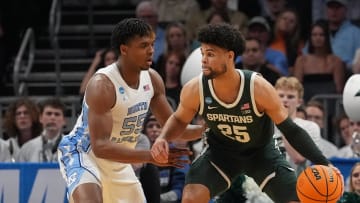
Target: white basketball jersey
{"type": "Point", "coordinates": [128, 114]}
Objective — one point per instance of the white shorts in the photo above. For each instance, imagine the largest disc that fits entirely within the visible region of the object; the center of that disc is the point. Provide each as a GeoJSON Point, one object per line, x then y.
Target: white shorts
{"type": "Point", "coordinates": [117, 185]}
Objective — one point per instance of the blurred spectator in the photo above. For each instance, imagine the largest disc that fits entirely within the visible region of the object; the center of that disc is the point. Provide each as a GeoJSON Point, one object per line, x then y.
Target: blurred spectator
{"type": "Point", "coordinates": [103, 58]}
{"type": "Point", "coordinates": [171, 73]}
{"type": "Point", "coordinates": [352, 12]}
{"type": "Point", "coordinates": [320, 70]}
{"type": "Point", "coordinates": [347, 151]}
{"type": "Point", "coordinates": [259, 29]}
{"type": "Point", "coordinates": [4, 152]}
{"type": "Point", "coordinates": [272, 9]}
{"type": "Point", "coordinates": [287, 36]}
{"type": "Point", "coordinates": [174, 10]}
{"type": "Point", "coordinates": [217, 17]}
{"type": "Point", "coordinates": [300, 112]}
{"type": "Point", "coordinates": [44, 147]}
{"type": "Point", "coordinates": [356, 62]}
{"type": "Point", "coordinates": [21, 123]}
{"type": "Point", "coordinates": [343, 130]}
{"type": "Point", "coordinates": [345, 36]}
{"type": "Point", "coordinates": [148, 12]}
{"type": "Point", "coordinates": [175, 41]}
{"type": "Point", "coordinates": [315, 112]}
{"type": "Point", "coordinates": [353, 195]}
{"type": "Point", "coordinates": [199, 17]}
{"type": "Point", "coordinates": [291, 91]}
{"type": "Point", "coordinates": [253, 59]}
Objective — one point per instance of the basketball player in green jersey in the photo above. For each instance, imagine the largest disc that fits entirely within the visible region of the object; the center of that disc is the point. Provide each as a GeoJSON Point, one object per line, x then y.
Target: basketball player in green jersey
{"type": "Point", "coordinates": [239, 108]}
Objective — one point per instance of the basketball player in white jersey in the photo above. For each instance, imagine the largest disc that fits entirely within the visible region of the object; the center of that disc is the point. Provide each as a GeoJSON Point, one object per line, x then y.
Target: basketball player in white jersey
{"type": "Point", "coordinates": [95, 156]}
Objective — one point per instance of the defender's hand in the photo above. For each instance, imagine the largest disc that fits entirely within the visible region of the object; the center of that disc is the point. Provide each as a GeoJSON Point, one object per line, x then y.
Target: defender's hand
{"type": "Point", "coordinates": [160, 151]}
{"type": "Point", "coordinates": [177, 158]}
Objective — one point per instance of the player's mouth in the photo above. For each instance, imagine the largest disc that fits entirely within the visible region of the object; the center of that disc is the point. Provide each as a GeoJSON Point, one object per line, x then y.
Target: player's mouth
{"type": "Point", "coordinates": [149, 62]}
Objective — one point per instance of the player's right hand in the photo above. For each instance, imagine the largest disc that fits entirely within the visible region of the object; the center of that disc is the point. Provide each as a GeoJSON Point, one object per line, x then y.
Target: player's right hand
{"type": "Point", "coordinates": [178, 157]}
{"type": "Point", "coordinates": [160, 150]}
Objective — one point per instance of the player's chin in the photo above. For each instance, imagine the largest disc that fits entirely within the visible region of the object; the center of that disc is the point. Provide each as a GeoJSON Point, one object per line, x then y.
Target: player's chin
{"type": "Point", "coordinates": [145, 67]}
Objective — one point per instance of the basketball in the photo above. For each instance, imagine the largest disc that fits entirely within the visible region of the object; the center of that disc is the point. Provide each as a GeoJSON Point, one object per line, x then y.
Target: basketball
{"type": "Point", "coordinates": [319, 183]}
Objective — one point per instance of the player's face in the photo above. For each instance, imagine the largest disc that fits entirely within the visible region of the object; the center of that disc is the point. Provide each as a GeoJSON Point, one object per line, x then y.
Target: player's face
{"type": "Point", "coordinates": [290, 100]}
{"type": "Point", "coordinates": [213, 60]}
{"type": "Point", "coordinates": [356, 179]}
{"type": "Point", "coordinates": [139, 51]}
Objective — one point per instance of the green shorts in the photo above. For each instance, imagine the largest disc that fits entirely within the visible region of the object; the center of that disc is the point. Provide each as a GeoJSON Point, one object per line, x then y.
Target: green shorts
{"type": "Point", "coordinates": [217, 175]}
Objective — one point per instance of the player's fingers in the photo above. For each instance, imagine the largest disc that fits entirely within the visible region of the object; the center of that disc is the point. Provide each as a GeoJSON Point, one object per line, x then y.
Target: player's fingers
{"type": "Point", "coordinates": [158, 155]}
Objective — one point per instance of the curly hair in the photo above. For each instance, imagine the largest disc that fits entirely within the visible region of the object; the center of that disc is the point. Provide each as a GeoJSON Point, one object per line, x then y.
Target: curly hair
{"type": "Point", "coordinates": [9, 120]}
{"type": "Point", "coordinates": [127, 29]}
{"type": "Point", "coordinates": [223, 35]}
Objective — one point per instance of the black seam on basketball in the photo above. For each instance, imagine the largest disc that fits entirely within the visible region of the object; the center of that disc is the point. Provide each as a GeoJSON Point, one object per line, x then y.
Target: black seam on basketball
{"type": "Point", "coordinates": [313, 184]}
{"type": "Point", "coordinates": [326, 182]}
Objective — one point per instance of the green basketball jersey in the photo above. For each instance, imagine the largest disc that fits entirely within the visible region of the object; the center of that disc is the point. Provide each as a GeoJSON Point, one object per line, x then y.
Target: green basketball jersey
{"type": "Point", "coordinates": [237, 129]}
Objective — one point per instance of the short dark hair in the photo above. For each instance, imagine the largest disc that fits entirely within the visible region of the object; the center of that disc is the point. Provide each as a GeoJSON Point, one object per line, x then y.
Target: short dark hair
{"type": "Point", "coordinates": [223, 35]}
{"type": "Point", "coordinates": [55, 103]}
{"type": "Point", "coordinates": [127, 29]}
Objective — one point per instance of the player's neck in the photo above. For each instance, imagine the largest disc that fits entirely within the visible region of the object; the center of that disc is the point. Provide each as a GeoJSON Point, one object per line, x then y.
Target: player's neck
{"type": "Point", "coordinates": [129, 74]}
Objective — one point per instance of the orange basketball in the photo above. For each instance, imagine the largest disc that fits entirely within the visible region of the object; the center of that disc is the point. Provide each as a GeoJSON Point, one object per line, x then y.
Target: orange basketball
{"type": "Point", "coordinates": [319, 183]}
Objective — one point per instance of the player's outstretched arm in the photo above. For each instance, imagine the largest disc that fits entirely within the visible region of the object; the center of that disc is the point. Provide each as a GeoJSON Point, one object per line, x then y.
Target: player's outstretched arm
{"type": "Point", "coordinates": [178, 121]}
{"type": "Point", "coordinates": [268, 101]}
{"type": "Point", "coordinates": [162, 110]}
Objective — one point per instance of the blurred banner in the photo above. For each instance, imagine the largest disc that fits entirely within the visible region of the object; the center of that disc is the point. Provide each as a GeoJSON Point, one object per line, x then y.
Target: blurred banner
{"type": "Point", "coordinates": [31, 183]}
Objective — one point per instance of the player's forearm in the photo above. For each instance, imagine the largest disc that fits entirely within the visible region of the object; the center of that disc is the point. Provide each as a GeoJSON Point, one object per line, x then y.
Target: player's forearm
{"type": "Point", "coordinates": [192, 132]}
{"type": "Point", "coordinates": [173, 129]}
{"type": "Point", "coordinates": [301, 141]}
{"type": "Point", "coordinates": [295, 156]}
{"type": "Point", "coordinates": [106, 149]}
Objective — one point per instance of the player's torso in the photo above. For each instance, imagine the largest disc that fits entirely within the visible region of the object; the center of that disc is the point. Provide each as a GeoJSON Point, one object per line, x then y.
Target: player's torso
{"type": "Point", "coordinates": [130, 108]}
{"type": "Point", "coordinates": [235, 127]}
{"type": "Point", "coordinates": [128, 112]}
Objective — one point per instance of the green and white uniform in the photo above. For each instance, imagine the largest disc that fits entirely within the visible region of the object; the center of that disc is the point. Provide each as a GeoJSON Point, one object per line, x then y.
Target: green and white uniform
{"type": "Point", "coordinates": [240, 141]}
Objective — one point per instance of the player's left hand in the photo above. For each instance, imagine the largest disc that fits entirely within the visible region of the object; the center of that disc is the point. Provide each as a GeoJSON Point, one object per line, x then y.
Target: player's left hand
{"type": "Point", "coordinates": [338, 172]}
{"type": "Point", "coordinates": [160, 150]}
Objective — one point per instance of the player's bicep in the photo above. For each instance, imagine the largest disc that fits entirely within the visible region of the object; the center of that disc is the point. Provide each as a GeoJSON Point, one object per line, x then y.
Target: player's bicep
{"type": "Point", "coordinates": [100, 98]}
{"type": "Point", "coordinates": [268, 101]}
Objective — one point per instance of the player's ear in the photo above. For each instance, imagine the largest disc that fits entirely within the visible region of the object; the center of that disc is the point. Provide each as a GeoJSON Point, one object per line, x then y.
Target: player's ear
{"type": "Point", "coordinates": [231, 55]}
{"type": "Point", "coordinates": [123, 50]}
